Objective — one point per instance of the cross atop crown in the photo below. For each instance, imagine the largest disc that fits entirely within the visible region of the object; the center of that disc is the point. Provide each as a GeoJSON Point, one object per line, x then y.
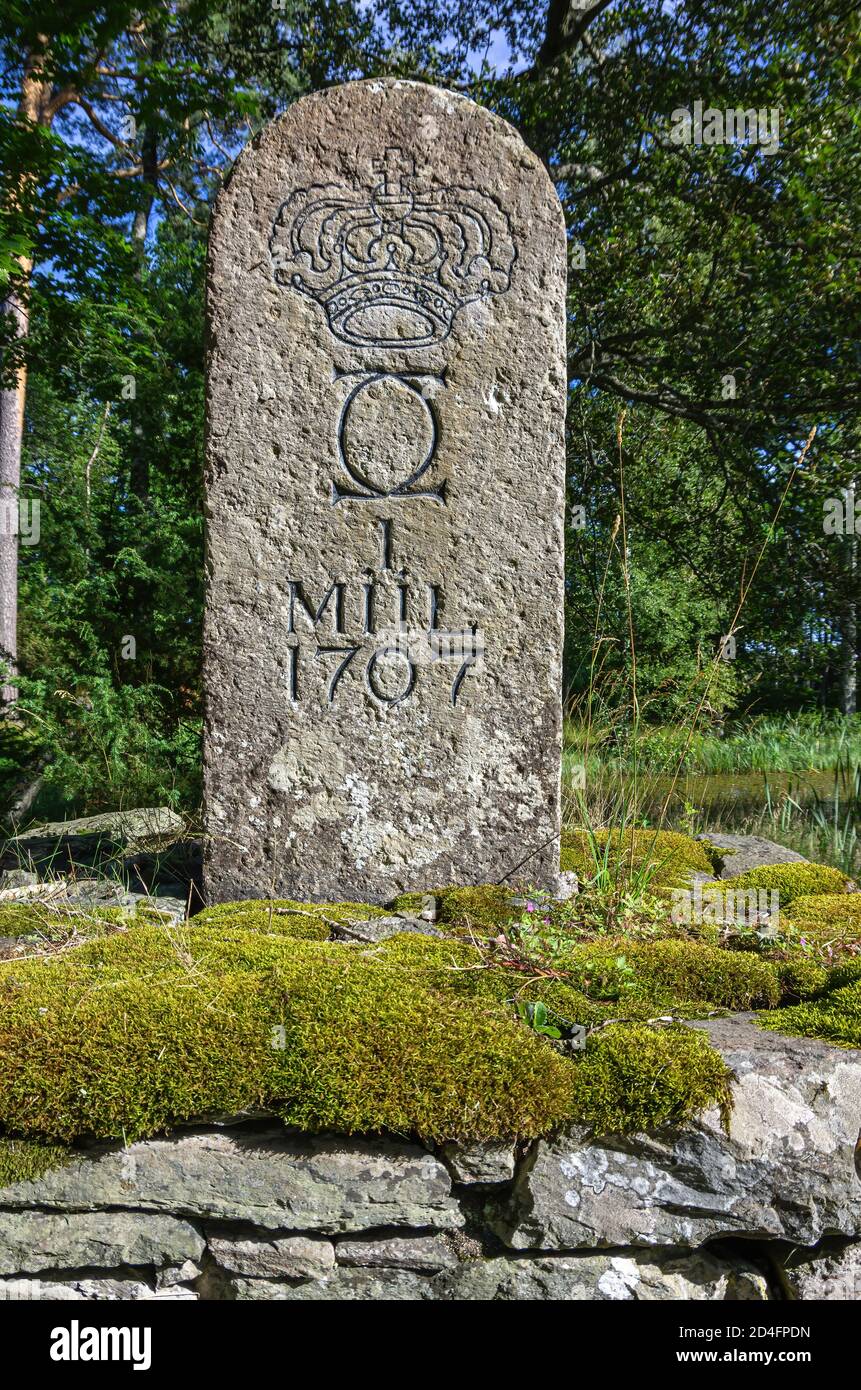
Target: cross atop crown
{"type": "Point", "coordinates": [395, 167]}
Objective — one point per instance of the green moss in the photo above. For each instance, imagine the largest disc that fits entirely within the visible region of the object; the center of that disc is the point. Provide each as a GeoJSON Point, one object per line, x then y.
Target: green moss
{"type": "Point", "coordinates": [304, 921]}
{"type": "Point", "coordinates": [693, 970]}
{"type": "Point", "coordinates": [369, 1050]}
{"type": "Point", "coordinates": [126, 1036]}
{"type": "Point", "coordinates": [479, 911]}
{"type": "Point", "coordinates": [460, 968]}
{"type": "Point", "coordinates": [836, 1017]}
{"type": "Point", "coordinates": [669, 973]}
{"type": "Point", "coordinates": [844, 974]}
{"type": "Point", "coordinates": [838, 908]}
{"type": "Point", "coordinates": [57, 924]}
{"type": "Point", "coordinates": [150, 951]}
{"type": "Point", "coordinates": [830, 921]}
{"type": "Point", "coordinates": [658, 858]}
{"type": "Point", "coordinates": [637, 1078]}
{"type": "Point", "coordinates": [801, 978]}
{"type": "Point", "coordinates": [413, 903]}
{"type": "Point", "coordinates": [790, 881]}
{"type": "Point", "coordinates": [24, 1160]}
{"type": "Point", "coordinates": [130, 1033]}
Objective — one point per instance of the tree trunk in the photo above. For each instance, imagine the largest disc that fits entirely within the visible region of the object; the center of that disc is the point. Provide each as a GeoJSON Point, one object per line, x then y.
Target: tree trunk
{"type": "Point", "coordinates": [849, 634]}
{"type": "Point", "coordinates": [11, 432]}
{"type": "Point", "coordinates": [33, 107]}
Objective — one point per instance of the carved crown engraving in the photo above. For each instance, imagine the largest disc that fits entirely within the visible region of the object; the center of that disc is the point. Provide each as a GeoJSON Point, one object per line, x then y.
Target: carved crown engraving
{"type": "Point", "coordinates": [393, 264]}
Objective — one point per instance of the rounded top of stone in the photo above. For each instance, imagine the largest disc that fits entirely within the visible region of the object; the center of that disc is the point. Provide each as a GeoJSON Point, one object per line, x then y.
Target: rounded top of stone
{"type": "Point", "coordinates": [347, 94]}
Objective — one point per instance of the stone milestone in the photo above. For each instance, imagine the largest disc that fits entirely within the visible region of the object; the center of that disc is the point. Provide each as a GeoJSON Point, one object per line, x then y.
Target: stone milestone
{"type": "Point", "coordinates": [385, 495]}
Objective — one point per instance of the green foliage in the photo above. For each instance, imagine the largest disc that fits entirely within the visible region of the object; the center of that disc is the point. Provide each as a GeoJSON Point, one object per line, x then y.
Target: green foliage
{"type": "Point", "coordinates": [790, 881]}
{"type": "Point", "coordinates": [637, 1078]}
{"type": "Point", "coordinates": [114, 747]}
{"type": "Point", "coordinates": [816, 740]}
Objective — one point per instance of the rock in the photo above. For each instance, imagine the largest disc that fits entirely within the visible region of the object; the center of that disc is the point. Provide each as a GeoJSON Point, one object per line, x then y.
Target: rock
{"type": "Point", "coordinates": [173, 909]}
{"type": "Point", "coordinates": [267, 1177]}
{"type": "Point", "coordinates": [831, 1272]}
{"type": "Point", "coordinates": [787, 1168]}
{"type": "Point", "coordinates": [614, 1278]}
{"type": "Point", "coordinates": [485, 1163]}
{"type": "Point", "coordinates": [292, 1257]}
{"type": "Point", "coordinates": [171, 1275]}
{"type": "Point", "coordinates": [745, 852]}
{"type": "Point", "coordinates": [345, 1285]}
{"type": "Point", "coordinates": [78, 841]}
{"type": "Point", "coordinates": [84, 893]}
{"type": "Point", "coordinates": [426, 1254]}
{"type": "Point", "coordinates": [567, 885]}
{"type": "Point", "coordinates": [559, 1278]}
{"type": "Point", "coordinates": [383, 626]}
{"type": "Point", "coordinates": [76, 1291]}
{"type": "Point", "coordinates": [14, 879]}
{"type": "Point", "coordinates": [31, 1241]}
{"type": "Point", "coordinates": [379, 928]}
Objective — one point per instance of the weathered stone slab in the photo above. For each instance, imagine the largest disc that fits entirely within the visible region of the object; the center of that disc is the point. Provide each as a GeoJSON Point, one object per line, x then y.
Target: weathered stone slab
{"type": "Point", "coordinates": [344, 1286]}
{"type": "Point", "coordinates": [611, 1278]}
{"type": "Point", "coordinates": [60, 842]}
{"type": "Point", "coordinates": [385, 471]}
{"type": "Point", "coordinates": [290, 1257]}
{"type": "Point", "coordinates": [31, 1241]}
{"type": "Point", "coordinates": [485, 1163]}
{"type": "Point", "coordinates": [561, 1278]}
{"type": "Point", "coordinates": [268, 1178]}
{"type": "Point", "coordinates": [787, 1168]}
{"type": "Point", "coordinates": [743, 852]}
{"type": "Point", "coordinates": [424, 1253]}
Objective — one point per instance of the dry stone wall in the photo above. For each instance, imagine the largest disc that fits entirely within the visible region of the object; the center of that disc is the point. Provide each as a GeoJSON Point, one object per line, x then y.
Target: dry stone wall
{"type": "Point", "coordinates": [769, 1209]}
